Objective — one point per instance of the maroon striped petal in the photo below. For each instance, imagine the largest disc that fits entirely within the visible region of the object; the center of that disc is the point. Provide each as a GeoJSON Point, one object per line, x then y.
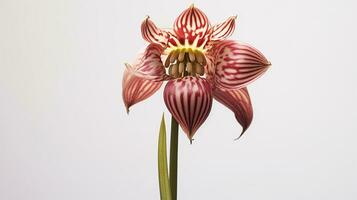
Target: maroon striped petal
{"type": "Point", "coordinates": [189, 100]}
{"type": "Point", "coordinates": [152, 33]}
{"type": "Point", "coordinates": [237, 64]}
{"type": "Point", "coordinates": [239, 102]}
{"type": "Point", "coordinates": [209, 69]}
{"type": "Point", "coordinates": [149, 65]}
{"type": "Point", "coordinates": [192, 25]}
{"type": "Point", "coordinates": [225, 29]}
{"type": "Point", "coordinates": [136, 89]}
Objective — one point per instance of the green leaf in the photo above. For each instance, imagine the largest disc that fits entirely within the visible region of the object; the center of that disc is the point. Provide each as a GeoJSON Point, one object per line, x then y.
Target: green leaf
{"type": "Point", "coordinates": [164, 183]}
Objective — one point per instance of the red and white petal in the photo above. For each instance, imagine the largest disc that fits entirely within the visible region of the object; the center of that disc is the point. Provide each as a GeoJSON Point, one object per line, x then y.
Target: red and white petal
{"type": "Point", "coordinates": [192, 25]}
{"type": "Point", "coordinates": [189, 100]}
{"type": "Point", "coordinates": [136, 89]}
{"type": "Point", "coordinates": [239, 102]}
{"type": "Point", "coordinates": [152, 33]}
{"type": "Point", "coordinates": [225, 29]}
{"type": "Point", "coordinates": [209, 69]}
{"type": "Point", "coordinates": [238, 64]}
{"type": "Point", "coordinates": [149, 65]}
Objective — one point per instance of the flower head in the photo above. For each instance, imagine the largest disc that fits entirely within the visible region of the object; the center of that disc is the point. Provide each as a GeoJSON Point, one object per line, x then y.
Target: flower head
{"type": "Point", "coordinates": [199, 64]}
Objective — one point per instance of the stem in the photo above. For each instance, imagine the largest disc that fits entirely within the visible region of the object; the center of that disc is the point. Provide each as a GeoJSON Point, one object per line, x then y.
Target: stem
{"type": "Point", "coordinates": [173, 158]}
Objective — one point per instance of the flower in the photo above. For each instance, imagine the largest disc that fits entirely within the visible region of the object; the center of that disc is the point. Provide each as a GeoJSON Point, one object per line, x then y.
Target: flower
{"type": "Point", "coordinates": [199, 64]}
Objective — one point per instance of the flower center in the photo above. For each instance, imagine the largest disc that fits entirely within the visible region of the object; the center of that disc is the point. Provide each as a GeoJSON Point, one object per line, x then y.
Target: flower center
{"type": "Point", "coordinates": [185, 61]}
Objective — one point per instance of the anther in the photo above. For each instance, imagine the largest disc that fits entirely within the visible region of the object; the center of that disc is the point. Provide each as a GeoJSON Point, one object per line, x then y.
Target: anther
{"type": "Point", "coordinates": [175, 70]}
{"type": "Point", "coordinates": [204, 63]}
{"type": "Point", "coordinates": [199, 57]}
{"type": "Point", "coordinates": [173, 57]}
{"type": "Point", "coordinates": [181, 67]}
{"type": "Point", "coordinates": [198, 68]}
{"type": "Point", "coordinates": [170, 70]}
{"type": "Point", "coordinates": [189, 67]}
{"type": "Point", "coordinates": [181, 55]}
{"type": "Point", "coordinates": [167, 61]}
{"type": "Point", "coordinates": [191, 55]}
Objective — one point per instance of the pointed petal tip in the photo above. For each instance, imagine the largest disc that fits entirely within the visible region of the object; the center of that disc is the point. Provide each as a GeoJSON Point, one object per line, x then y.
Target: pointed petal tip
{"type": "Point", "coordinates": [128, 66]}
{"type": "Point", "coordinates": [241, 134]}
{"type": "Point", "coordinates": [127, 108]}
{"type": "Point", "coordinates": [236, 139]}
{"type": "Point", "coordinates": [266, 66]}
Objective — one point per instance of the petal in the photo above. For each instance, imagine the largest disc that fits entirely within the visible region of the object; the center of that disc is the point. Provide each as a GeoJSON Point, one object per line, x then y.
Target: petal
{"type": "Point", "coordinates": [209, 69]}
{"type": "Point", "coordinates": [152, 33]}
{"type": "Point", "coordinates": [225, 29]}
{"type": "Point", "coordinates": [149, 64]}
{"type": "Point", "coordinates": [136, 89]}
{"type": "Point", "coordinates": [192, 25]}
{"type": "Point", "coordinates": [189, 100]}
{"type": "Point", "coordinates": [237, 64]}
{"type": "Point", "coordinates": [239, 102]}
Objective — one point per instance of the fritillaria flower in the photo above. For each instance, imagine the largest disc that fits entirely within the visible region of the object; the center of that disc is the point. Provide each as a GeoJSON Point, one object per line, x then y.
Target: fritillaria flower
{"type": "Point", "coordinates": [199, 64]}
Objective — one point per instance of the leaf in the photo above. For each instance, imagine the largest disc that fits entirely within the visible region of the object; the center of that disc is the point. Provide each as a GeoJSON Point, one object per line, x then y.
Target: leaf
{"type": "Point", "coordinates": [164, 183]}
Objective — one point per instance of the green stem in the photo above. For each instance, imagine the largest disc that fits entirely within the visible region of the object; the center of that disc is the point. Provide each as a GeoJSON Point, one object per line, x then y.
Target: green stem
{"type": "Point", "coordinates": [173, 158]}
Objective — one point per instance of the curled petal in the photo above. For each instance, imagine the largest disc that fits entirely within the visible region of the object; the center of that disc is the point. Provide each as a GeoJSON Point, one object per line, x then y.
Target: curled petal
{"type": "Point", "coordinates": [238, 64]}
{"type": "Point", "coordinates": [189, 100]}
{"type": "Point", "coordinates": [149, 65]}
{"type": "Point", "coordinates": [136, 89]}
{"type": "Point", "coordinates": [224, 30]}
{"type": "Point", "coordinates": [192, 25]}
{"type": "Point", "coordinates": [152, 33]}
{"type": "Point", "coordinates": [239, 102]}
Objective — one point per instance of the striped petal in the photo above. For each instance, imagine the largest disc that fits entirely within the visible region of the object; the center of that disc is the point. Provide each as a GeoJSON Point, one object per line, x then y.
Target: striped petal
{"type": "Point", "coordinates": [149, 64]}
{"type": "Point", "coordinates": [192, 25]}
{"type": "Point", "coordinates": [152, 33]}
{"type": "Point", "coordinates": [239, 102]}
{"type": "Point", "coordinates": [189, 100]}
{"type": "Point", "coordinates": [237, 64]}
{"type": "Point", "coordinates": [136, 89]}
{"type": "Point", "coordinates": [209, 69]}
{"type": "Point", "coordinates": [224, 30]}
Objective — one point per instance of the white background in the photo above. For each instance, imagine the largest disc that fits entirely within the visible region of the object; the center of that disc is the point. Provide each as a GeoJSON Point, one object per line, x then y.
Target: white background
{"type": "Point", "coordinates": [64, 133]}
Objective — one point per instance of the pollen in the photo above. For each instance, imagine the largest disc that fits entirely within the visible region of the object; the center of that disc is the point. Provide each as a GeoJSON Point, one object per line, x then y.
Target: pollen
{"type": "Point", "coordinates": [185, 61]}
